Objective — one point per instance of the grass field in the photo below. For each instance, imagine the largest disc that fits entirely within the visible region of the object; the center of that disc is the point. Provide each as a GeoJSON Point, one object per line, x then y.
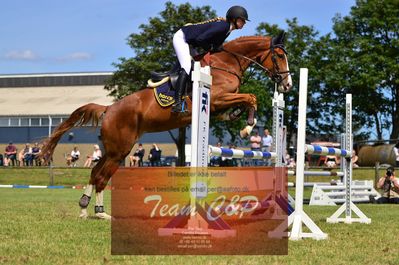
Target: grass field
{"type": "Point", "coordinates": [41, 227]}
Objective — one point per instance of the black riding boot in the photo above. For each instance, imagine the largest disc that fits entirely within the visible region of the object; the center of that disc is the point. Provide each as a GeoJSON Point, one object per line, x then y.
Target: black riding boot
{"type": "Point", "coordinates": [180, 86]}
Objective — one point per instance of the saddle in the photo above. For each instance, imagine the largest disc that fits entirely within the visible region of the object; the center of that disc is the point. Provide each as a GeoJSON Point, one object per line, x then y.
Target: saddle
{"type": "Point", "coordinates": [164, 83]}
{"type": "Point", "coordinates": [159, 78]}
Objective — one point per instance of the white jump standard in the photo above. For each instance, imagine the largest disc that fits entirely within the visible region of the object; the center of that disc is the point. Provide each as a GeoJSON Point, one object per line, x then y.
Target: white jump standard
{"type": "Point", "coordinates": [348, 206]}
{"type": "Point", "coordinates": [299, 217]}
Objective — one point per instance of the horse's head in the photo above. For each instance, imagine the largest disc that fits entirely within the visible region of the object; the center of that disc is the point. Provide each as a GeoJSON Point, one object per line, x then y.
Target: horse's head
{"type": "Point", "coordinates": [276, 62]}
{"type": "Point", "coordinates": [268, 53]}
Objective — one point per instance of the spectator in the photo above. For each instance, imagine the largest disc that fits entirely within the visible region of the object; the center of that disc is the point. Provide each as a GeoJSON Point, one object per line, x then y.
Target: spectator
{"type": "Point", "coordinates": [21, 157]}
{"type": "Point", "coordinates": [155, 156]}
{"type": "Point", "coordinates": [256, 142]}
{"type": "Point", "coordinates": [267, 141]}
{"type": "Point", "coordinates": [390, 187]}
{"type": "Point", "coordinates": [290, 162]}
{"type": "Point", "coordinates": [73, 157]}
{"type": "Point", "coordinates": [95, 157]}
{"type": "Point", "coordinates": [10, 155]}
{"type": "Point", "coordinates": [331, 161]}
{"type": "Point", "coordinates": [396, 151]}
{"type": "Point", "coordinates": [354, 159]}
{"type": "Point", "coordinates": [35, 154]}
{"type": "Point", "coordinates": [136, 160]}
{"type": "Point", "coordinates": [27, 155]}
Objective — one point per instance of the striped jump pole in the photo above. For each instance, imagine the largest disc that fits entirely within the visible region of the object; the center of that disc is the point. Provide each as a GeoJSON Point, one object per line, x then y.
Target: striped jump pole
{"type": "Point", "coordinates": [319, 173]}
{"type": "Point", "coordinates": [325, 151]}
{"type": "Point", "coordinates": [235, 153]}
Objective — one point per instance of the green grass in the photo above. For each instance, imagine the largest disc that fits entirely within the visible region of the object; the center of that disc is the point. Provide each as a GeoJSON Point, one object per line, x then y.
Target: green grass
{"type": "Point", "coordinates": [80, 176]}
{"type": "Point", "coordinates": [76, 176]}
{"type": "Point", "coordinates": [42, 227]}
{"type": "Point", "coordinates": [44, 176]}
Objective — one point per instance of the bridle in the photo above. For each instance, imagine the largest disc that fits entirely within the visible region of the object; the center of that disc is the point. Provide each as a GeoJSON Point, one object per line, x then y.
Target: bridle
{"type": "Point", "coordinates": [275, 74]}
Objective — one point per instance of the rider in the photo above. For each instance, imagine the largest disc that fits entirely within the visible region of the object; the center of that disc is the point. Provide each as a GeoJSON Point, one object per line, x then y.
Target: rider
{"type": "Point", "coordinates": [208, 35]}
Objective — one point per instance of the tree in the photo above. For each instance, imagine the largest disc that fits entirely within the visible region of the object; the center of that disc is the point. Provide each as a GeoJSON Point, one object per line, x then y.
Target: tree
{"type": "Point", "coordinates": [300, 41]}
{"type": "Point", "coordinates": [154, 52]}
{"type": "Point", "coordinates": [364, 60]}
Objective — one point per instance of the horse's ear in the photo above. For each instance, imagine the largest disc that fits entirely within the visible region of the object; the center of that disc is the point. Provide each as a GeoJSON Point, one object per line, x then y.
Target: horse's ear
{"type": "Point", "coordinates": [279, 39]}
{"type": "Point", "coordinates": [282, 36]}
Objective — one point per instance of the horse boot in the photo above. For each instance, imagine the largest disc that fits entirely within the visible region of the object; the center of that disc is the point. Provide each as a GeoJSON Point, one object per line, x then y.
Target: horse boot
{"type": "Point", "coordinates": [180, 86]}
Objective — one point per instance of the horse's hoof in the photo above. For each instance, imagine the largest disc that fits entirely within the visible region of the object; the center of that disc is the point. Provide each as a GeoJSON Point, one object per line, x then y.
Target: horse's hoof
{"type": "Point", "coordinates": [84, 201]}
{"type": "Point", "coordinates": [104, 216]}
{"type": "Point", "coordinates": [251, 123]}
{"type": "Point", "coordinates": [83, 213]}
{"type": "Point", "coordinates": [244, 133]}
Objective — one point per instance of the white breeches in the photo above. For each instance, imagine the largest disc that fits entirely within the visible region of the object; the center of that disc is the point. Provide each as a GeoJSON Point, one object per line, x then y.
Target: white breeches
{"type": "Point", "coordinates": [182, 50]}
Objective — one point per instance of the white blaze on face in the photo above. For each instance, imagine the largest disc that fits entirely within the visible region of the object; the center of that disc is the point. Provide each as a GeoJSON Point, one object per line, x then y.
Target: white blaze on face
{"type": "Point", "coordinates": [289, 79]}
{"type": "Point", "coordinates": [286, 84]}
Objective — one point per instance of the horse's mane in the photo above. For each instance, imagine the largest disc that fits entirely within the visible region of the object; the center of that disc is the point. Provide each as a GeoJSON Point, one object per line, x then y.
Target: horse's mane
{"type": "Point", "coordinates": [246, 39]}
{"type": "Point", "coordinates": [253, 37]}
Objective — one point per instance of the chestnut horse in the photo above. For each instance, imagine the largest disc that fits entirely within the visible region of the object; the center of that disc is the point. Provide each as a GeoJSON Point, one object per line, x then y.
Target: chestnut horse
{"type": "Point", "coordinates": [126, 120]}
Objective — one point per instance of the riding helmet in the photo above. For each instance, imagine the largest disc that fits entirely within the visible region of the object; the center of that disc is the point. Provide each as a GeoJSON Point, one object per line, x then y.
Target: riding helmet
{"type": "Point", "coordinates": [235, 12]}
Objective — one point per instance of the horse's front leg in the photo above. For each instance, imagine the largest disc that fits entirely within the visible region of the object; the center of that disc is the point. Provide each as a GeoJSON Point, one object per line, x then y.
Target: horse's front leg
{"type": "Point", "coordinates": [251, 122]}
{"type": "Point", "coordinates": [231, 100]}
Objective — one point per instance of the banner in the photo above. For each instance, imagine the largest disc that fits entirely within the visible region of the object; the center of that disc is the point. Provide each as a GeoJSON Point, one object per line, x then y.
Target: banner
{"type": "Point", "coordinates": [198, 211]}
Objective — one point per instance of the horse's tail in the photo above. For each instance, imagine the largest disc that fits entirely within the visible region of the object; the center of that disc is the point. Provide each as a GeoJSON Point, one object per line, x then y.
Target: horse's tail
{"type": "Point", "coordinates": [81, 116]}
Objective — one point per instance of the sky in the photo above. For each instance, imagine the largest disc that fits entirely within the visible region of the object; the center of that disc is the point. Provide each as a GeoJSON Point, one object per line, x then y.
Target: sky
{"type": "Point", "coordinates": [54, 36]}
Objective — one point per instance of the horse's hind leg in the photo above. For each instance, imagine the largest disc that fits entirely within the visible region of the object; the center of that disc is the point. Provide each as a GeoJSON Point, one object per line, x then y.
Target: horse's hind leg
{"type": "Point", "coordinates": [108, 168]}
{"type": "Point", "coordinates": [85, 200]}
{"type": "Point", "coordinates": [117, 146]}
{"type": "Point", "coordinates": [100, 176]}
{"type": "Point", "coordinates": [86, 197]}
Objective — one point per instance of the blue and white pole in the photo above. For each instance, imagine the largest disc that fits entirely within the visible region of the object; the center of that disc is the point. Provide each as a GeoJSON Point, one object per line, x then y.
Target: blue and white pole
{"type": "Point", "coordinates": [235, 153]}
{"type": "Point", "coordinates": [323, 151]}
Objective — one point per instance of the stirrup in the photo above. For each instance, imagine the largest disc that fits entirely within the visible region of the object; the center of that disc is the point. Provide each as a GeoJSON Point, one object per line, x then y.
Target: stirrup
{"type": "Point", "coordinates": [178, 107]}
